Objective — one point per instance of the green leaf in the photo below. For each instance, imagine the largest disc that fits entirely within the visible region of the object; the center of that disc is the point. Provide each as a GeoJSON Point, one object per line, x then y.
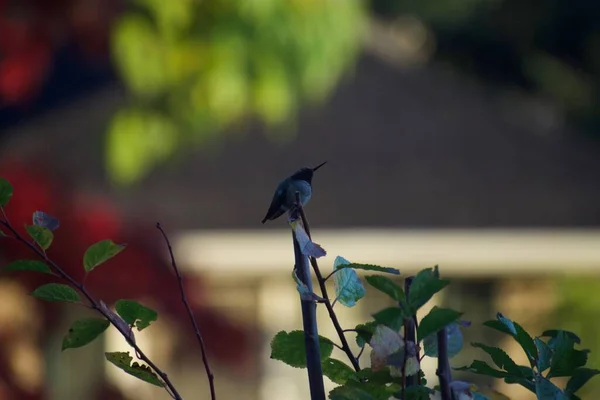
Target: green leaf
{"type": "Point", "coordinates": [6, 192]}
{"type": "Point", "coordinates": [364, 332]}
{"type": "Point", "coordinates": [418, 392]}
{"type": "Point", "coordinates": [392, 317]}
{"type": "Point", "coordinates": [546, 390]}
{"type": "Point", "coordinates": [291, 348]}
{"type": "Point", "coordinates": [337, 371]}
{"type": "Point", "coordinates": [42, 236]}
{"type": "Point", "coordinates": [579, 378]}
{"type": "Point", "coordinates": [387, 286]}
{"type": "Point", "coordinates": [369, 267]}
{"type": "Point", "coordinates": [123, 360]}
{"type": "Point", "coordinates": [435, 320]}
{"type": "Point", "coordinates": [482, 368]}
{"type": "Point", "coordinates": [381, 377]}
{"type": "Point", "coordinates": [56, 292]}
{"type": "Point", "coordinates": [455, 342]}
{"type": "Point", "coordinates": [349, 393]}
{"type": "Point", "coordinates": [136, 314]}
{"type": "Point", "coordinates": [566, 359]}
{"type": "Point", "coordinates": [500, 358]}
{"type": "Point", "coordinates": [99, 252]}
{"type": "Point", "coordinates": [553, 333]}
{"type": "Point", "coordinates": [83, 331]}
{"type": "Point", "coordinates": [544, 355]}
{"type": "Point", "coordinates": [512, 328]}
{"type": "Point", "coordinates": [28, 265]}
{"type": "Point", "coordinates": [348, 288]}
{"type": "Point", "coordinates": [424, 285]}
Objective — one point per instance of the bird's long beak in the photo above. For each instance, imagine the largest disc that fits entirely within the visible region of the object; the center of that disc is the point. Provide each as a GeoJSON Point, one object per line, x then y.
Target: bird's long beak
{"type": "Point", "coordinates": [319, 166]}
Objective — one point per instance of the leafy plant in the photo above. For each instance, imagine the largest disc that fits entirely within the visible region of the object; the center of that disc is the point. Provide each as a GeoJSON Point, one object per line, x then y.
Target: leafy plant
{"type": "Point", "coordinates": [129, 313]}
{"type": "Point", "coordinates": [396, 340]}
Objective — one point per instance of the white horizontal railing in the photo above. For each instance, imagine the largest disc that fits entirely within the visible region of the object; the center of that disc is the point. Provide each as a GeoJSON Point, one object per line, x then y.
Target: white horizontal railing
{"type": "Point", "coordinates": [472, 252]}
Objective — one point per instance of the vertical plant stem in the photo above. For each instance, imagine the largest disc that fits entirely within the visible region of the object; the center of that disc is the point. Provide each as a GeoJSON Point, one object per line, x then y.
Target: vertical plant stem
{"type": "Point", "coordinates": [325, 295]}
{"type": "Point", "coordinates": [309, 321]}
{"type": "Point", "coordinates": [209, 374]}
{"type": "Point", "coordinates": [443, 369]}
{"type": "Point", "coordinates": [410, 334]}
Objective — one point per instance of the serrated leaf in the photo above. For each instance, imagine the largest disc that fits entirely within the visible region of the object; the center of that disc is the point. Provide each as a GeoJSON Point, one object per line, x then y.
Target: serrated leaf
{"type": "Point", "coordinates": [6, 192]}
{"type": "Point", "coordinates": [56, 292]}
{"type": "Point", "coordinates": [307, 246]}
{"type": "Point", "coordinates": [482, 368]}
{"type": "Point", "coordinates": [552, 333]}
{"type": "Point", "coordinates": [99, 252]}
{"type": "Point", "coordinates": [405, 357]}
{"type": "Point", "coordinates": [369, 267]}
{"type": "Point", "coordinates": [436, 319]}
{"type": "Point", "coordinates": [566, 359]}
{"type": "Point", "coordinates": [364, 332]}
{"type": "Point", "coordinates": [47, 221]}
{"type": "Point", "coordinates": [348, 288]}
{"type": "Point", "coordinates": [42, 236]}
{"type": "Point", "coordinates": [579, 378]}
{"type": "Point", "coordinates": [349, 393]}
{"type": "Point", "coordinates": [515, 330]}
{"type": "Point", "coordinates": [136, 314]}
{"type": "Point", "coordinates": [337, 371]}
{"type": "Point", "coordinates": [123, 360]}
{"type": "Point", "coordinates": [387, 286]}
{"type": "Point", "coordinates": [381, 377]}
{"type": "Point", "coordinates": [544, 355]}
{"type": "Point", "coordinates": [546, 390]}
{"type": "Point", "coordinates": [424, 285]}
{"type": "Point", "coordinates": [455, 342]}
{"type": "Point", "coordinates": [84, 331]}
{"type": "Point", "coordinates": [291, 348]}
{"type": "Point", "coordinates": [500, 358]}
{"type": "Point", "coordinates": [392, 317]}
{"type": "Point", "coordinates": [28, 265]}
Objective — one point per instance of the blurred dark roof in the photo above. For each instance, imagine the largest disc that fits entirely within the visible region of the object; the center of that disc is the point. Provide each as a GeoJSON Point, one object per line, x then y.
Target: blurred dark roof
{"type": "Point", "coordinates": [419, 148]}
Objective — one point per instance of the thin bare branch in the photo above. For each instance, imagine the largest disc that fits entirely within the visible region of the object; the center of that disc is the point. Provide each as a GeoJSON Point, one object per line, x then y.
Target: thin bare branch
{"type": "Point", "coordinates": [209, 374]}
{"type": "Point", "coordinates": [95, 304]}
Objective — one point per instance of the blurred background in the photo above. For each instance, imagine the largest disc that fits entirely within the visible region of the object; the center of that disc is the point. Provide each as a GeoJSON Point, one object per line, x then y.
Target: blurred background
{"type": "Point", "coordinates": [458, 133]}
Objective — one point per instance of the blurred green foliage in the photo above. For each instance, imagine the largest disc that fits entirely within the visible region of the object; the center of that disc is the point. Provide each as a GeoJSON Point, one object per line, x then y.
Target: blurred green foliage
{"type": "Point", "coordinates": [578, 309]}
{"type": "Point", "coordinates": [195, 67]}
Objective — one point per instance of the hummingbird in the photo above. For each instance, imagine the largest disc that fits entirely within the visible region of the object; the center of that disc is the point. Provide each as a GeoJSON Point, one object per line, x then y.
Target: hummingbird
{"type": "Point", "coordinates": [285, 194]}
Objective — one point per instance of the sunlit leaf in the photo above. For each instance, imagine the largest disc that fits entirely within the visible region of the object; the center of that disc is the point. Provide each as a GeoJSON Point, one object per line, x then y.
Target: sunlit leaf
{"type": "Point", "coordinates": [348, 288]}
{"type": "Point", "coordinates": [123, 361]}
{"type": "Point", "coordinates": [100, 252]}
{"type": "Point", "coordinates": [136, 314]}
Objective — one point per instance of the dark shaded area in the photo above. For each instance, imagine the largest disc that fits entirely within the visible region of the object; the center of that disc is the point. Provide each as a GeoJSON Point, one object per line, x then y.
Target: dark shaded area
{"type": "Point", "coordinates": [499, 40]}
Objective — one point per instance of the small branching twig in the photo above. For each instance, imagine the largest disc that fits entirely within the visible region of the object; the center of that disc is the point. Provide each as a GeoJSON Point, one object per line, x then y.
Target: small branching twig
{"type": "Point", "coordinates": [94, 304]}
{"type": "Point", "coordinates": [323, 287]}
{"type": "Point", "coordinates": [209, 373]}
